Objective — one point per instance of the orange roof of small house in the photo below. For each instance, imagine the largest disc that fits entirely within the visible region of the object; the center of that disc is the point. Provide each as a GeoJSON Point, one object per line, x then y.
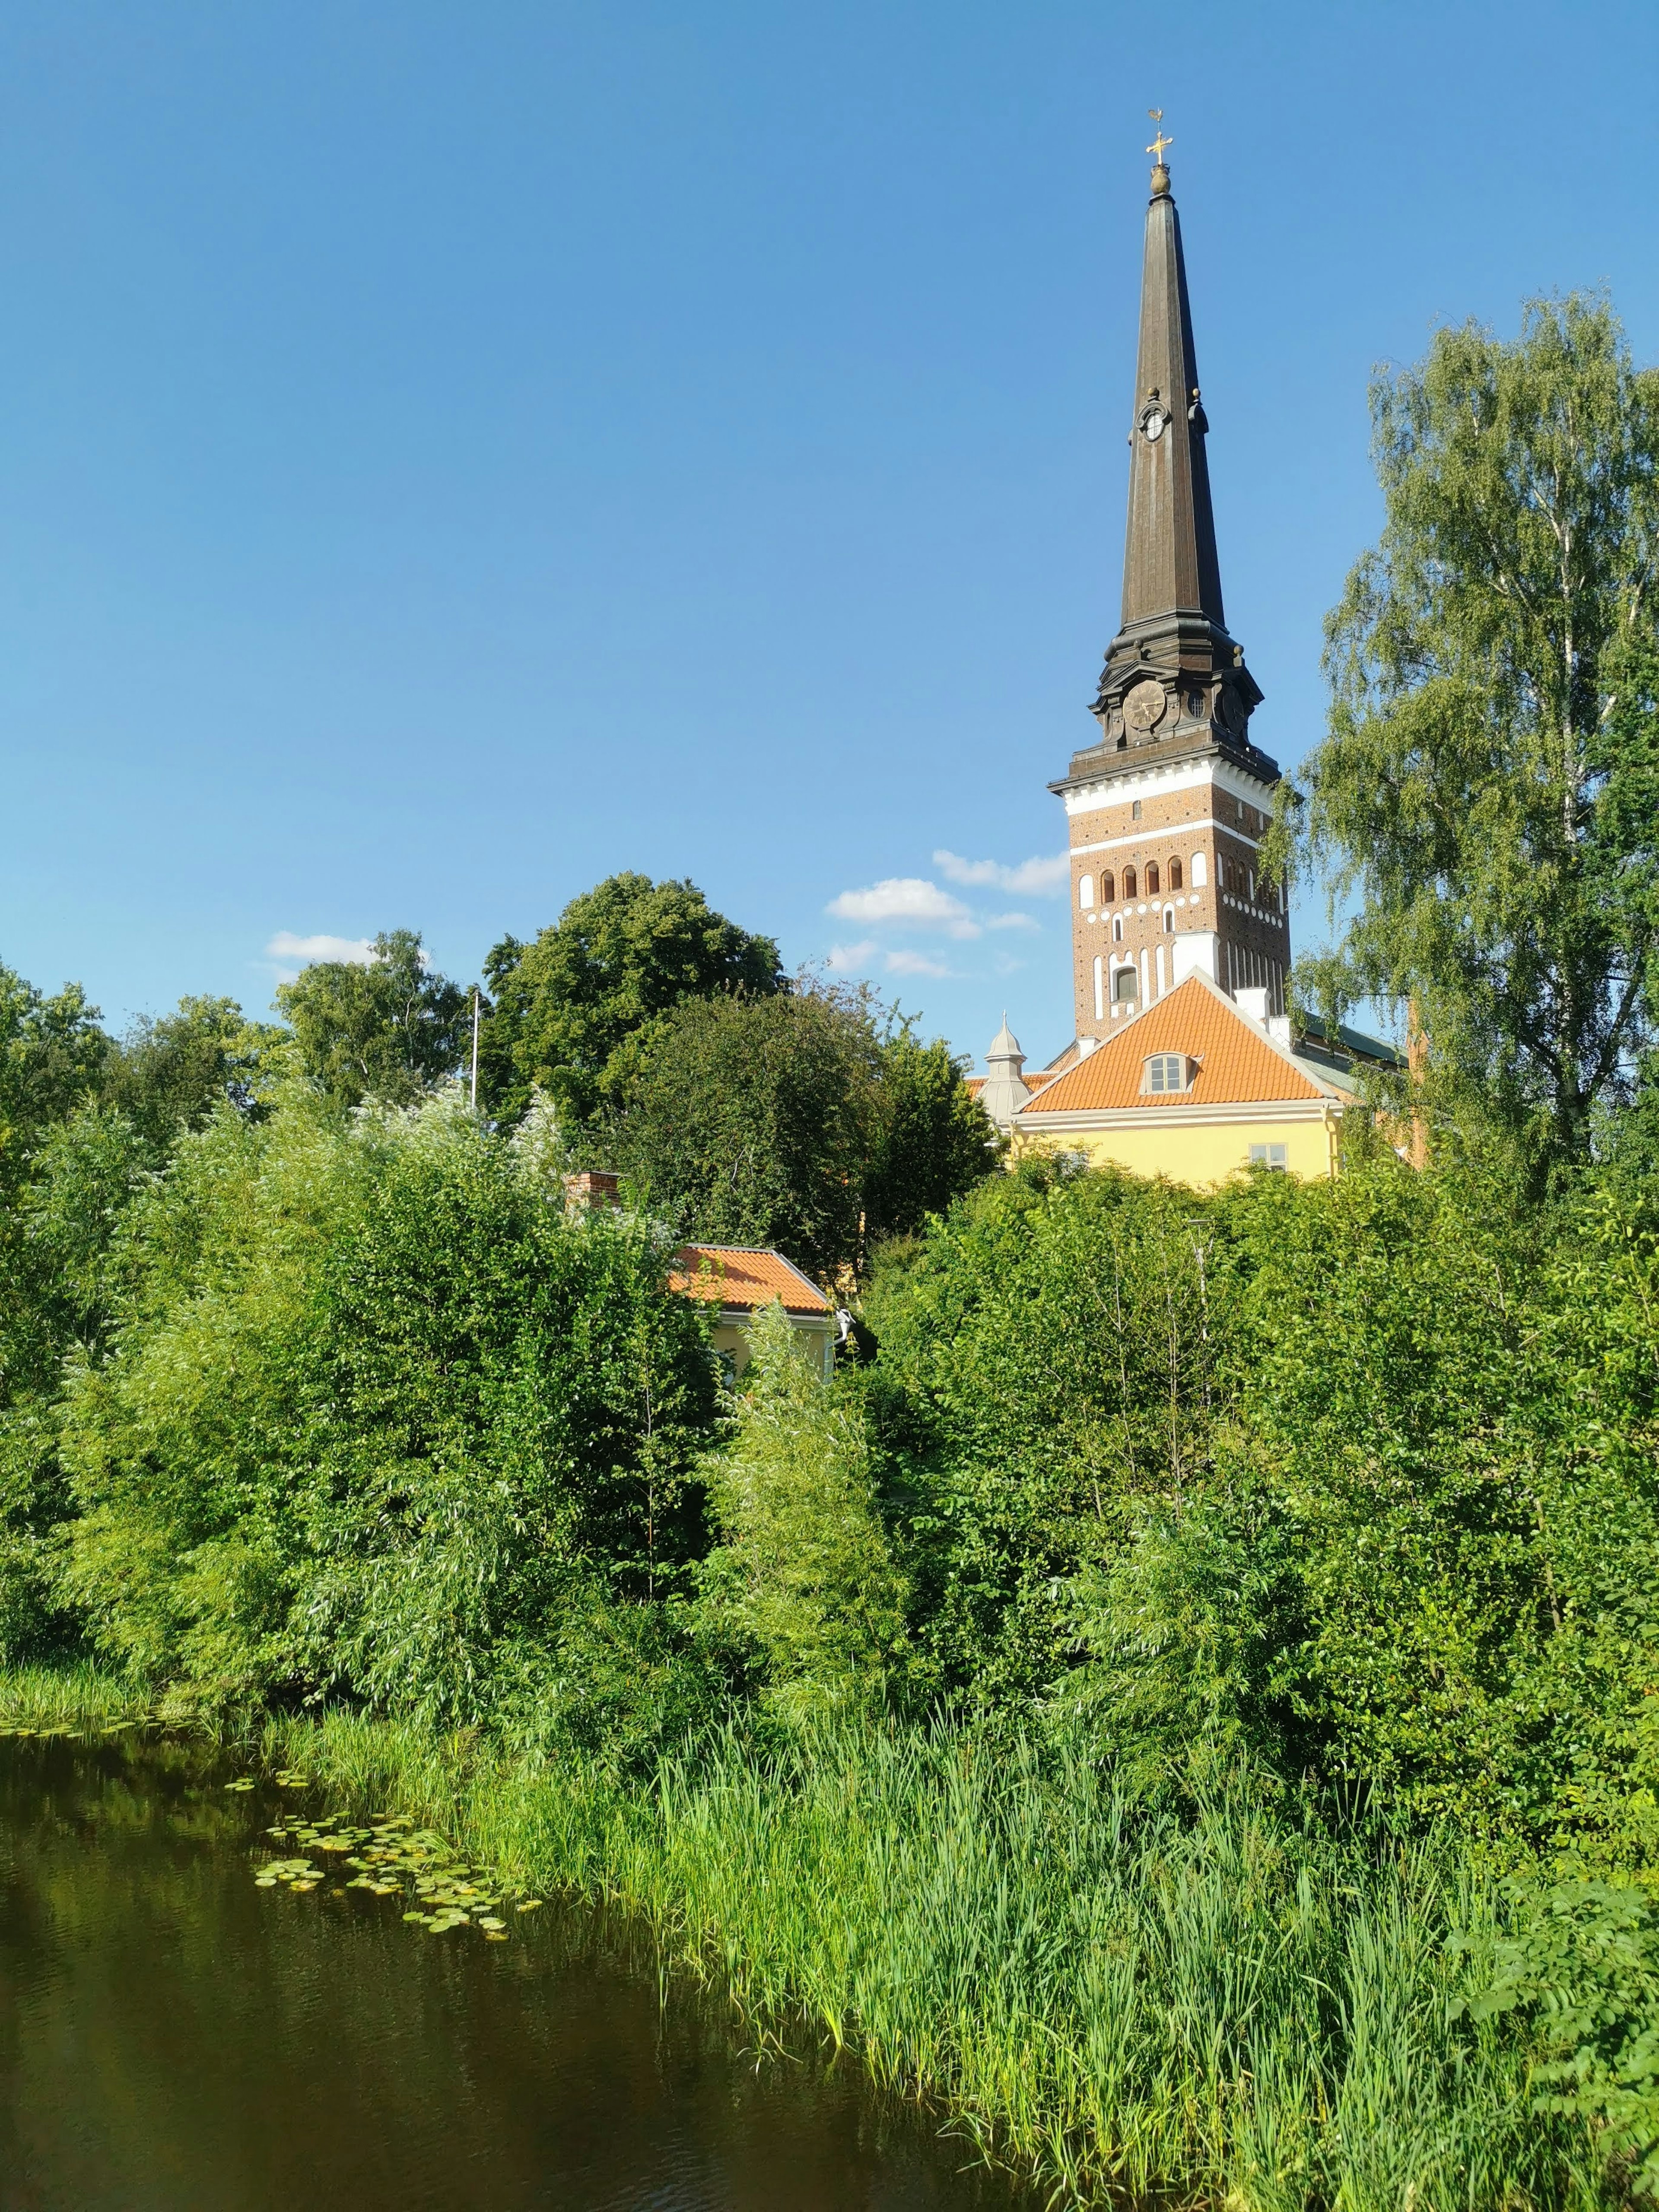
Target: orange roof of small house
{"type": "Point", "coordinates": [1238, 1063]}
{"type": "Point", "coordinates": [745, 1276]}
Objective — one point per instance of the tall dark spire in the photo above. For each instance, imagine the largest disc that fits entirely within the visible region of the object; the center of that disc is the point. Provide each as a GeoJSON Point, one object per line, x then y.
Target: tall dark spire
{"type": "Point", "coordinates": [1170, 562]}
{"type": "Point", "coordinates": [1168, 803]}
{"type": "Point", "coordinates": [1173, 678]}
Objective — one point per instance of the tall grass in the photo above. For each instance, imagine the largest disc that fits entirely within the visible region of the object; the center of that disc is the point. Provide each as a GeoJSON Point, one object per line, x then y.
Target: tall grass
{"type": "Point", "coordinates": [1229, 2008]}
{"type": "Point", "coordinates": [76, 1698]}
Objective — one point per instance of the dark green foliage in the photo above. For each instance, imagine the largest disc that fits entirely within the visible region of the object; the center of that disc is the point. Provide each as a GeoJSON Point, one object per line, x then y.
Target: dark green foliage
{"type": "Point", "coordinates": [933, 1144]}
{"type": "Point", "coordinates": [754, 1120]}
{"type": "Point", "coordinates": [1490, 783]}
{"type": "Point", "coordinates": [168, 1074]}
{"type": "Point", "coordinates": [801, 1121]}
{"type": "Point", "coordinates": [388, 1029]}
{"type": "Point", "coordinates": [51, 1053]}
{"type": "Point", "coordinates": [618, 957]}
{"type": "Point", "coordinates": [65, 1171]}
{"type": "Point", "coordinates": [1048, 1356]}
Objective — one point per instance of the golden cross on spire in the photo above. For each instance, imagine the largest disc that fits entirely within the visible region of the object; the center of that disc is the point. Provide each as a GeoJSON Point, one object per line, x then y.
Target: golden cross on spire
{"type": "Point", "coordinates": [1156, 149]}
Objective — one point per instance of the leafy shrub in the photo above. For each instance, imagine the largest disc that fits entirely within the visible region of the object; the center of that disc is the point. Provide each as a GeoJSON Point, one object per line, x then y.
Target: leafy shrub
{"type": "Point", "coordinates": [380, 1419]}
{"type": "Point", "coordinates": [802, 1577]}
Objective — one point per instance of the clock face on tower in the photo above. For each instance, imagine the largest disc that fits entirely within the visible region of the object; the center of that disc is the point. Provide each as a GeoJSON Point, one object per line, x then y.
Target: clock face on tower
{"type": "Point", "coordinates": [1145, 705]}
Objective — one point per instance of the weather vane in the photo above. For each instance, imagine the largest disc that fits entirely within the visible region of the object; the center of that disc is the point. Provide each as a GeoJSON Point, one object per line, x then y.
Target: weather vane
{"type": "Point", "coordinates": [1156, 149]}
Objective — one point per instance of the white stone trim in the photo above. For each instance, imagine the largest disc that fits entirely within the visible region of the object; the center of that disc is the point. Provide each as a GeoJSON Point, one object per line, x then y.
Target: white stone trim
{"type": "Point", "coordinates": [1193, 775]}
{"type": "Point", "coordinates": [1171, 834]}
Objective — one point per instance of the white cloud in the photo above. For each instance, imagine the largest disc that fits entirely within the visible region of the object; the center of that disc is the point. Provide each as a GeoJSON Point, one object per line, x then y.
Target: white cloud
{"type": "Point", "coordinates": [843, 958]}
{"type": "Point", "coordinates": [910, 899]}
{"type": "Point", "coordinates": [1012, 921]}
{"type": "Point", "coordinates": [915, 963]}
{"type": "Point", "coordinates": [285, 946]}
{"type": "Point", "coordinates": [1046, 876]}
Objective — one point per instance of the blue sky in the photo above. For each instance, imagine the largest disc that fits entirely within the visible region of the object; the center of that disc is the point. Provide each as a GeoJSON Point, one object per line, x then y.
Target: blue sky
{"type": "Point", "coordinates": [448, 453]}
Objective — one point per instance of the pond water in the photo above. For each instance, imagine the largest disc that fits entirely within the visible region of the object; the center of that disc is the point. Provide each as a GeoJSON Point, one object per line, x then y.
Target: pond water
{"type": "Point", "coordinates": [174, 2037]}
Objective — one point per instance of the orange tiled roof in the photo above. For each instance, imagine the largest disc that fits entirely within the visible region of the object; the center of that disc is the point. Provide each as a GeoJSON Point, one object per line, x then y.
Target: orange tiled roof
{"type": "Point", "coordinates": [1237, 1065]}
{"type": "Point", "coordinates": [743, 1275]}
{"type": "Point", "coordinates": [973, 1084]}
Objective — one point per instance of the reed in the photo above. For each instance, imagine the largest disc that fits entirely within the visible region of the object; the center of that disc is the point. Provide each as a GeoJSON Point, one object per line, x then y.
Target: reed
{"type": "Point", "coordinates": [1228, 2008]}
{"type": "Point", "coordinates": [68, 1698]}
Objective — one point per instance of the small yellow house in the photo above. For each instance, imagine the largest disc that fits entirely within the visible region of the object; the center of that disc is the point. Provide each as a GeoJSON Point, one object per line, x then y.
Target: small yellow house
{"type": "Point", "coordinates": [1195, 1088]}
{"type": "Point", "coordinates": [740, 1279]}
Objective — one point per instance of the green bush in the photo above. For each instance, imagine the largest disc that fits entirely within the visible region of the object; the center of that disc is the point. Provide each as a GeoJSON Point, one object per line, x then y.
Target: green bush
{"type": "Point", "coordinates": [802, 1578]}
{"type": "Point", "coordinates": [380, 1419]}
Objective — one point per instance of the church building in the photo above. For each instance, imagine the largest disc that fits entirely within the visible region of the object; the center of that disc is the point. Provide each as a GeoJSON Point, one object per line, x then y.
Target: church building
{"type": "Point", "coordinates": [1182, 1062]}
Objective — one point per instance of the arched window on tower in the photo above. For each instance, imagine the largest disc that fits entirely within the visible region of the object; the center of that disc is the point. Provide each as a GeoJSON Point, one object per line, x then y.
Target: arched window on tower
{"type": "Point", "coordinates": [1128, 883]}
{"type": "Point", "coordinates": [1117, 929]}
{"type": "Point", "coordinates": [1169, 922]}
{"type": "Point", "coordinates": [1200, 871]}
{"type": "Point", "coordinates": [1151, 879]}
{"type": "Point", "coordinates": [1086, 891]}
{"type": "Point", "coordinates": [1108, 888]}
{"type": "Point", "coordinates": [1175, 874]}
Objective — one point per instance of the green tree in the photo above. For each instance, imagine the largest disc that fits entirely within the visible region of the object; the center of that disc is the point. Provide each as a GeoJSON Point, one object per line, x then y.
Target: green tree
{"type": "Point", "coordinates": [1489, 785]}
{"type": "Point", "coordinates": [810, 1119]}
{"type": "Point", "coordinates": [59, 1273]}
{"type": "Point", "coordinates": [52, 1054]}
{"type": "Point", "coordinates": [387, 1029]}
{"type": "Point", "coordinates": [754, 1121]}
{"type": "Point", "coordinates": [618, 957]}
{"type": "Point", "coordinates": [934, 1142]}
{"type": "Point", "coordinates": [167, 1074]}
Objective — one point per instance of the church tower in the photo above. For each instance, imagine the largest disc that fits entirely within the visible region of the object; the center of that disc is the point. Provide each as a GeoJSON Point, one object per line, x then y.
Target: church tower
{"type": "Point", "coordinates": [1168, 806]}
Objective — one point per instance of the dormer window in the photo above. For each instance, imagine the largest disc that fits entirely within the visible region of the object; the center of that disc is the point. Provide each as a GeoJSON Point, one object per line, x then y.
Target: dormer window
{"type": "Point", "coordinates": [1165, 1072]}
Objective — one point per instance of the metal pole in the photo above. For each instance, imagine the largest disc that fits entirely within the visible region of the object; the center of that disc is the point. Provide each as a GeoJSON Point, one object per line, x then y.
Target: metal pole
{"type": "Point", "coordinates": [474, 1047]}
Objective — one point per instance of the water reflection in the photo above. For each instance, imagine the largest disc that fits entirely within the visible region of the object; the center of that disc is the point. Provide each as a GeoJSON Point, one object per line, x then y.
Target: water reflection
{"type": "Point", "coordinates": [172, 2038]}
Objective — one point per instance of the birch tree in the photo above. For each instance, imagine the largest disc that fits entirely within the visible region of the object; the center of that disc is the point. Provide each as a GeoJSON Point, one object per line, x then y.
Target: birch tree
{"type": "Point", "coordinates": [1486, 799]}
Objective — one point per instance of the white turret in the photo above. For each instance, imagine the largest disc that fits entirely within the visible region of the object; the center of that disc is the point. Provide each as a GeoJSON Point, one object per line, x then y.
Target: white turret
{"type": "Point", "coordinates": [1005, 1089]}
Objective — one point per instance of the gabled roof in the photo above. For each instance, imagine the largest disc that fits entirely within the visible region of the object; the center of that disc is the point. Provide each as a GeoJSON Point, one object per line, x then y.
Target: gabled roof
{"type": "Point", "coordinates": [1238, 1063]}
{"type": "Point", "coordinates": [745, 1276]}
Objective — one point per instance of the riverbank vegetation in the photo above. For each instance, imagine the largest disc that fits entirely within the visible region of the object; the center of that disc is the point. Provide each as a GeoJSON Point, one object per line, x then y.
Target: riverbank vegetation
{"type": "Point", "coordinates": [1199, 1654]}
{"type": "Point", "coordinates": [1185, 1696]}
